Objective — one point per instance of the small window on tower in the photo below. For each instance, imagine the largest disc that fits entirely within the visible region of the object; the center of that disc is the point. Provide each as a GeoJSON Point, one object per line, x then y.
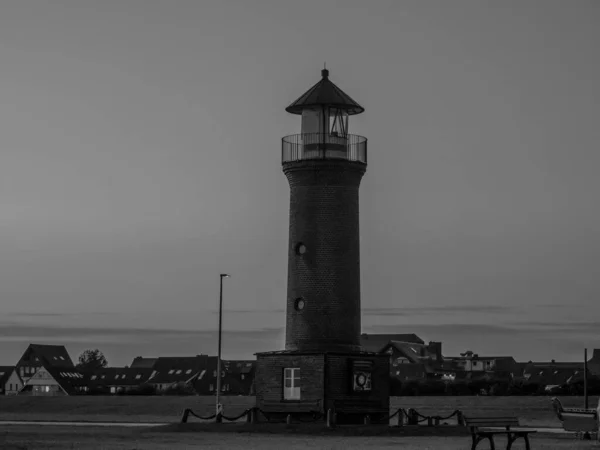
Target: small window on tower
{"type": "Point", "coordinates": [299, 304]}
{"type": "Point", "coordinates": [300, 249]}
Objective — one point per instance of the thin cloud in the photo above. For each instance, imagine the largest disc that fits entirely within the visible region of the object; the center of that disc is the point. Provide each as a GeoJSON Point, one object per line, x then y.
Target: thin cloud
{"type": "Point", "coordinates": [11, 331]}
{"type": "Point", "coordinates": [251, 311]}
{"type": "Point", "coordinates": [422, 310]}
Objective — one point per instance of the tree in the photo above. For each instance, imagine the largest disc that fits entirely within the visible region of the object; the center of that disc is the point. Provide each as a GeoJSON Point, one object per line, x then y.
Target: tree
{"type": "Point", "coordinates": [92, 360]}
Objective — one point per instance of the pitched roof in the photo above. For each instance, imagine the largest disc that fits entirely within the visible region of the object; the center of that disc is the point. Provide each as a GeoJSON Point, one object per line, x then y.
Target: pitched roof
{"type": "Point", "coordinates": [141, 362]}
{"type": "Point", "coordinates": [118, 376]}
{"type": "Point", "coordinates": [69, 379]}
{"type": "Point", "coordinates": [170, 370]}
{"type": "Point", "coordinates": [552, 375]}
{"type": "Point", "coordinates": [52, 355]}
{"type": "Point", "coordinates": [414, 352]}
{"type": "Point", "coordinates": [375, 342]}
{"type": "Point", "coordinates": [325, 93]}
{"type": "Point", "coordinates": [5, 373]}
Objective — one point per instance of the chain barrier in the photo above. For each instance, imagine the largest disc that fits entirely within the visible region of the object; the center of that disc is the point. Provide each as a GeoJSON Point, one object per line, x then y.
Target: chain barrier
{"type": "Point", "coordinates": [436, 418]}
{"type": "Point", "coordinates": [387, 419]}
{"type": "Point", "coordinates": [200, 417]}
{"type": "Point", "coordinates": [233, 419]}
{"type": "Point", "coordinates": [319, 416]}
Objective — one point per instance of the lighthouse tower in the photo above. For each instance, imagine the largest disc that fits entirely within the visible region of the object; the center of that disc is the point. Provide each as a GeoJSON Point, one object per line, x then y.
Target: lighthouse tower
{"type": "Point", "coordinates": [322, 366]}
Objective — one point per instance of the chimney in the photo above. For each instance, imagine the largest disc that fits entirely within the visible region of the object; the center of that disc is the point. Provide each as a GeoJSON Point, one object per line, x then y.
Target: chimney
{"type": "Point", "coordinates": [436, 349]}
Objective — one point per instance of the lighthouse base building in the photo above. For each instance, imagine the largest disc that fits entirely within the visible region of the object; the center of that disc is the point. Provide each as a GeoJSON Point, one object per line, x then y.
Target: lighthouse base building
{"type": "Point", "coordinates": [323, 366]}
{"type": "Point", "coordinates": [353, 385]}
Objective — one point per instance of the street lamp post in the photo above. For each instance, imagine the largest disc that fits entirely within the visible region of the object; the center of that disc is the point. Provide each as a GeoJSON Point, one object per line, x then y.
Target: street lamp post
{"type": "Point", "coordinates": [218, 401]}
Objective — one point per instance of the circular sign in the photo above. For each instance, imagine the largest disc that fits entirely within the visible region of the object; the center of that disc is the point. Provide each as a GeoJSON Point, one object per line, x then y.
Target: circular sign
{"type": "Point", "coordinates": [361, 379]}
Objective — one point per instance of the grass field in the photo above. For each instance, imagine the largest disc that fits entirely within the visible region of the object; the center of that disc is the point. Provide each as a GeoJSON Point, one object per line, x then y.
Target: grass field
{"type": "Point", "coordinates": [55, 437]}
{"type": "Point", "coordinates": [532, 411]}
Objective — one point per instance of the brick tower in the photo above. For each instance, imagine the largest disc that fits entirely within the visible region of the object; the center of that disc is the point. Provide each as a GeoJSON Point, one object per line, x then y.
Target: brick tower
{"type": "Point", "coordinates": [322, 366]}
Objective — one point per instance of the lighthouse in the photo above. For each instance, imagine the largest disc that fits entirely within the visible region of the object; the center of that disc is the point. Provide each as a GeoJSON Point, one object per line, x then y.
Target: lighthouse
{"type": "Point", "coordinates": [323, 367]}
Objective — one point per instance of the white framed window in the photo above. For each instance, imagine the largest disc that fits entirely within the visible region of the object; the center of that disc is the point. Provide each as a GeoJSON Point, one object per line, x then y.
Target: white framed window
{"type": "Point", "coordinates": [291, 383]}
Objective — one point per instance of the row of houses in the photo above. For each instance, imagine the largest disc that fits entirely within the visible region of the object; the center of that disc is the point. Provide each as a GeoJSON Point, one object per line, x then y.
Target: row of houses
{"type": "Point", "coordinates": [48, 370]}
{"type": "Point", "coordinates": [412, 359]}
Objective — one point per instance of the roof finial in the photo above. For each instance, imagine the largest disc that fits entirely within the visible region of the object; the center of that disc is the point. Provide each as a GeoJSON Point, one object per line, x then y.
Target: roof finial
{"type": "Point", "coordinates": [325, 72]}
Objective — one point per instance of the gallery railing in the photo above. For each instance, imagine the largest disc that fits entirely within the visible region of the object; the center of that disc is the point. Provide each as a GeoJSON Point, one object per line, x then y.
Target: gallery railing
{"type": "Point", "coordinates": [300, 147]}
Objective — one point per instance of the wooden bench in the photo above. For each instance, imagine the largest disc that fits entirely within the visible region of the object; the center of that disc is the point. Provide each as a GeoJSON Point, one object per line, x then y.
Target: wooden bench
{"type": "Point", "coordinates": [581, 421]}
{"type": "Point", "coordinates": [476, 424]}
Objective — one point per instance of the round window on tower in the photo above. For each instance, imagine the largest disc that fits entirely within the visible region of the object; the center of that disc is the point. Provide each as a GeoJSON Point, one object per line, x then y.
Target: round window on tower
{"type": "Point", "coordinates": [299, 304]}
{"type": "Point", "coordinates": [300, 248]}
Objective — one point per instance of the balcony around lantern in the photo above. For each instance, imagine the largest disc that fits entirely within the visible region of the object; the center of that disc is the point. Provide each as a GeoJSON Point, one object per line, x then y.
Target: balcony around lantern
{"type": "Point", "coordinates": [308, 146]}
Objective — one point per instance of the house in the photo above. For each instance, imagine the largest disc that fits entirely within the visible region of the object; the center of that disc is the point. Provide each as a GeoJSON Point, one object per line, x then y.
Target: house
{"type": "Point", "coordinates": [5, 373]}
{"type": "Point", "coordinates": [472, 362]}
{"type": "Point", "coordinates": [181, 372]}
{"type": "Point", "coordinates": [239, 377]}
{"type": "Point", "coordinates": [411, 361]}
{"type": "Point", "coordinates": [374, 342]}
{"type": "Point", "coordinates": [116, 380]}
{"type": "Point", "coordinates": [10, 382]}
{"type": "Point", "coordinates": [206, 383]}
{"type": "Point", "coordinates": [48, 370]}
{"type": "Point", "coordinates": [553, 373]}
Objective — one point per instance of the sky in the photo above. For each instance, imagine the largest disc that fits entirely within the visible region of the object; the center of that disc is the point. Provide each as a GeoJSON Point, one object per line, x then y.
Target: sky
{"type": "Point", "coordinates": [140, 146]}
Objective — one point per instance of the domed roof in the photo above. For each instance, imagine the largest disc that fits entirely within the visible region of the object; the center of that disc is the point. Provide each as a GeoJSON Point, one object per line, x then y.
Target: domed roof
{"type": "Point", "coordinates": [325, 93]}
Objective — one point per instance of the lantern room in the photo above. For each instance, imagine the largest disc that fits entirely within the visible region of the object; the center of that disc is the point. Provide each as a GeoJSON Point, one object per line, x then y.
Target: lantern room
{"type": "Point", "coordinates": [324, 110]}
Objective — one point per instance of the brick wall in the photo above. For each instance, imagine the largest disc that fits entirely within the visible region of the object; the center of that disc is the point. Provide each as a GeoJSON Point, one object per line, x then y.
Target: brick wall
{"type": "Point", "coordinates": [324, 216]}
{"type": "Point", "coordinates": [269, 376]}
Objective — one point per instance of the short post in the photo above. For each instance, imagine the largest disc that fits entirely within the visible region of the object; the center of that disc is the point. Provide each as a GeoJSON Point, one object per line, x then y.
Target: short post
{"type": "Point", "coordinates": [184, 416]}
{"type": "Point", "coordinates": [413, 418]}
{"type": "Point", "coordinates": [436, 421]}
{"type": "Point", "coordinates": [288, 419]}
{"type": "Point", "coordinates": [367, 420]}
{"type": "Point", "coordinates": [585, 380]}
{"type": "Point", "coordinates": [429, 421]}
{"type": "Point", "coordinates": [219, 417]}
{"type": "Point", "coordinates": [460, 418]}
{"type": "Point", "coordinates": [330, 419]}
{"type": "Point", "coordinates": [249, 415]}
{"type": "Point", "coordinates": [400, 417]}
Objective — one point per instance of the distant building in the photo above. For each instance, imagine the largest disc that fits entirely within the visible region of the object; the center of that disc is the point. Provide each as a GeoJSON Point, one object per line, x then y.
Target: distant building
{"type": "Point", "coordinates": [10, 382]}
{"type": "Point", "coordinates": [47, 370]}
{"type": "Point", "coordinates": [553, 373]}
{"type": "Point", "coordinates": [116, 380]}
{"type": "Point", "coordinates": [5, 373]}
{"type": "Point", "coordinates": [472, 362]}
